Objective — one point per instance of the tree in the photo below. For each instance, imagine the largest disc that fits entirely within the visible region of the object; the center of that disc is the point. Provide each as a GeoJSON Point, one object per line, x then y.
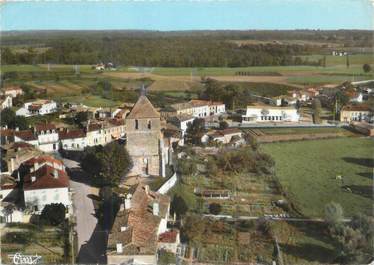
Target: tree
{"type": "Point", "coordinates": [108, 164]}
{"type": "Point", "coordinates": [195, 130]}
{"type": "Point", "coordinates": [317, 107]}
{"type": "Point", "coordinates": [9, 118]}
{"type": "Point", "coordinates": [53, 214]}
{"type": "Point", "coordinates": [115, 163]}
{"type": "Point", "coordinates": [178, 206]}
{"type": "Point", "coordinates": [186, 167]}
{"type": "Point", "coordinates": [366, 67]}
{"type": "Point", "coordinates": [223, 125]}
{"type": "Point", "coordinates": [81, 117]}
{"type": "Point", "coordinates": [347, 61]}
{"type": "Point", "coordinates": [215, 208]}
{"type": "Point", "coordinates": [354, 240]}
{"type": "Point", "coordinates": [333, 213]}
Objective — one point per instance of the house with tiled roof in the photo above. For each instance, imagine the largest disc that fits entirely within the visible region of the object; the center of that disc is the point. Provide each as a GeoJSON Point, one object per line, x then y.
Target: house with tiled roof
{"type": "Point", "coordinates": [225, 136]}
{"type": "Point", "coordinates": [36, 162]}
{"type": "Point", "coordinates": [356, 112]}
{"type": "Point", "coordinates": [10, 203]}
{"type": "Point", "coordinates": [199, 108]}
{"type": "Point", "coordinates": [6, 135]}
{"type": "Point", "coordinates": [42, 136]}
{"type": "Point", "coordinates": [12, 91]}
{"type": "Point", "coordinates": [136, 231]}
{"type": "Point", "coordinates": [182, 122]}
{"type": "Point", "coordinates": [44, 186]}
{"type": "Point", "coordinates": [14, 154]}
{"type": "Point", "coordinates": [72, 139]}
{"type": "Point", "coordinates": [38, 107]}
{"type": "Point", "coordinates": [104, 131]}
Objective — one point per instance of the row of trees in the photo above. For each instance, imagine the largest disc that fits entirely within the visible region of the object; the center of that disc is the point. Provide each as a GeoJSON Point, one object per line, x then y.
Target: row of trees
{"type": "Point", "coordinates": [166, 52]}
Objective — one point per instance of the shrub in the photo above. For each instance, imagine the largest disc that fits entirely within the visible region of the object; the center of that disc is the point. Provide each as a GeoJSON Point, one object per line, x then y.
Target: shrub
{"type": "Point", "coordinates": [53, 214]}
{"type": "Point", "coordinates": [215, 208]}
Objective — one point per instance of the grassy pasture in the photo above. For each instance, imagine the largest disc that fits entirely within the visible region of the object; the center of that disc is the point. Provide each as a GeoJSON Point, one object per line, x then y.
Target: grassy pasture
{"type": "Point", "coordinates": [307, 171]}
{"type": "Point", "coordinates": [324, 79]}
{"type": "Point", "coordinates": [341, 60]}
{"type": "Point", "coordinates": [278, 131]}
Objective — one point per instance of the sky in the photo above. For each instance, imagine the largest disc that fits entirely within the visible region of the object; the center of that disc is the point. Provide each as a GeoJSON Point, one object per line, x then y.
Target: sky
{"type": "Point", "coordinates": [166, 15]}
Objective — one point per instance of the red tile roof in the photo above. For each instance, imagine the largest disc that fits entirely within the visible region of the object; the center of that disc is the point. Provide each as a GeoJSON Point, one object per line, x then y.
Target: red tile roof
{"type": "Point", "coordinates": [141, 223]}
{"type": "Point", "coordinates": [42, 159]}
{"type": "Point", "coordinates": [6, 132]}
{"type": "Point", "coordinates": [45, 179]}
{"type": "Point", "coordinates": [168, 237]}
{"type": "Point", "coordinates": [44, 127]}
{"type": "Point", "coordinates": [26, 135]}
{"type": "Point", "coordinates": [71, 134]}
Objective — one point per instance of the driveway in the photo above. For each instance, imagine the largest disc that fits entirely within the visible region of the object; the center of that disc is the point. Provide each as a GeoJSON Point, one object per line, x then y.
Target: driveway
{"type": "Point", "coordinates": [91, 240]}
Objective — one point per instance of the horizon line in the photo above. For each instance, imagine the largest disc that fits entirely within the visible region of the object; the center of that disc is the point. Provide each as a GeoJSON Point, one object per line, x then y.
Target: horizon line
{"type": "Point", "coordinates": [187, 30]}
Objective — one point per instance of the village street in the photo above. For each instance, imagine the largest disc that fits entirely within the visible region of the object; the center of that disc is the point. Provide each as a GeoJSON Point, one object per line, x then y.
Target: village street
{"type": "Point", "coordinates": [91, 240]}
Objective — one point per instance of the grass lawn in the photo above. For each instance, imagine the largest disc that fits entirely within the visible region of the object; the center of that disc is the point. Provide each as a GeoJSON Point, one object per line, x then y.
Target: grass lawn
{"type": "Point", "coordinates": [334, 60]}
{"type": "Point", "coordinates": [302, 243]}
{"type": "Point", "coordinates": [279, 131]}
{"type": "Point", "coordinates": [90, 100]}
{"type": "Point", "coordinates": [307, 171]}
{"type": "Point", "coordinates": [325, 79]}
{"type": "Point", "coordinates": [20, 68]}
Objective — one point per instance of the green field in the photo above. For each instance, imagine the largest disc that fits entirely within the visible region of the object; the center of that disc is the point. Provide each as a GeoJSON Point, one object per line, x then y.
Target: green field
{"type": "Point", "coordinates": [334, 60]}
{"type": "Point", "coordinates": [281, 131]}
{"type": "Point", "coordinates": [307, 171]}
{"type": "Point", "coordinates": [325, 79]}
{"type": "Point", "coordinates": [90, 100]}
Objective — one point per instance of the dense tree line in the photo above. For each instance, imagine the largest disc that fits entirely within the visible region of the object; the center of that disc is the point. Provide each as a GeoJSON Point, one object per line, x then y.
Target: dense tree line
{"type": "Point", "coordinates": [41, 38]}
{"type": "Point", "coordinates": [162, 52]}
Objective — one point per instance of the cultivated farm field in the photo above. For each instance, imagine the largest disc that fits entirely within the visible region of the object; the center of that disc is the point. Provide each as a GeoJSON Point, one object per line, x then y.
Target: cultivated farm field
{"type": "Point", "coordinates": [307, 170]}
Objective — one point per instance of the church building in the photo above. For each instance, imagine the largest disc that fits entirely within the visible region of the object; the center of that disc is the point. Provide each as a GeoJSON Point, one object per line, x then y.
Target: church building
{"type": "Point", "coordinates": [144, 139]}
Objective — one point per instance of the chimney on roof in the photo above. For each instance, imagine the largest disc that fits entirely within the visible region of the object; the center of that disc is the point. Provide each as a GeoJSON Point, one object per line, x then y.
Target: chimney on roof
{"type": "Point", "coordinates": [55, 173]}
{"type": "Point", "coordinates": [156, 208]}
{"type": "Point", "coordinates": [33, 178]}
{"type": "Point", "coordinates": [123, 228]}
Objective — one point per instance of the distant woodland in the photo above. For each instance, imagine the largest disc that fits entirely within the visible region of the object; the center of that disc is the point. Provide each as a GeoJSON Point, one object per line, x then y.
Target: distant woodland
{"type": "Point", "coordinates": [176, 49]}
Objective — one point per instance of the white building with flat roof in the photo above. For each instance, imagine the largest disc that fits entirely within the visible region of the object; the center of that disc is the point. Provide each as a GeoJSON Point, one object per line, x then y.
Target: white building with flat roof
{"type": "Point", "coordinates": [270, 114]}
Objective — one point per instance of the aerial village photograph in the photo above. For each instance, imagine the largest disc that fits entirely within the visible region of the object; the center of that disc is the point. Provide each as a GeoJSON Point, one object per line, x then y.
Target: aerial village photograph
{"type": "Point", "coordinates": [180, 132]}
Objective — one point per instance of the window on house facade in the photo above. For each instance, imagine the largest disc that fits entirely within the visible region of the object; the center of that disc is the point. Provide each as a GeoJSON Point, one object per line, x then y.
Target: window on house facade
{"type": "Point", "coordinates": [136, 124]}
{"type": "Point", "coordinates": [149, 125]}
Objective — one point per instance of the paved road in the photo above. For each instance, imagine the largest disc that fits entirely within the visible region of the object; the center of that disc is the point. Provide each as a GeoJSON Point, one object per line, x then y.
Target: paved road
{"type": "Point", "coordinates": [91, 241]}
